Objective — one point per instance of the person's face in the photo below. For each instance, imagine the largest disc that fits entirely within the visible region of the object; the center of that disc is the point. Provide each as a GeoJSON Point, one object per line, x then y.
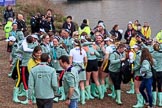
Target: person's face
{"type": "Point", "coordinates": [117, 28]}
{"type": "Point", "coordinates": [129, 26]}
{"type": "Point", "coordinates": [64, 34]}
{"type": "Point", "coordinates": [138, 38]}
{"type": "Point", "coordinates": [121, 50]}
{"type": "Point", "coordinates": [68, 20]}
{"type": "Point", "coordinates": [100, 28]}
{"type": "Point", "coordinates": [145, 24]}
{"type": "Point", "coordinates": [14, 26]}
{"type": "Point", "coordinates": [46, 40]}
{"type": "Point", "coordinates": [97, 34]}
{"type": "Point", "coordinates": [11, 43]}
{"type": "Point", "coordinates": [49, 19]}
{"type": "Point", "coordinates": [138, 27]}
{"type": "Point", "coordinates": [55, 42]}
{"type": "Point", "coordinates": [108, 42]}
{"type": "Point", "coordinates": [135, 49]}
{"type": "Point", "coordinates": [98, 39]}
{"type": "Point", "coordinates": [49, 13]}
{"type": "Point", "coordinates": [76, 36]}
{"type": "Point", "coordinates": [38, 54]}
{"type": "Point", "coordinates": [136, 22]}
{"type": "Point", "coordinates": [9, 7]}
{"type": "Point", "coordinates": [35, 39]}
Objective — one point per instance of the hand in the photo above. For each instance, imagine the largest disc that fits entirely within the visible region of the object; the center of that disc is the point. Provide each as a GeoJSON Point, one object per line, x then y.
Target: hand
{"type": "Point", "coordinates": [11, 66]}
{"type": "Point", "coordinates": [67, 102]}
{"type": "Point", "coordinates": [132, 72]}
{"type": "Point", "coordinates": [102, 68]}
{"type": "Point", "coordinates": [30, 102]}
{"type": "Point", "coordinates": [92, 53]}
{"type": "Point", "coordinates": [122, 59]}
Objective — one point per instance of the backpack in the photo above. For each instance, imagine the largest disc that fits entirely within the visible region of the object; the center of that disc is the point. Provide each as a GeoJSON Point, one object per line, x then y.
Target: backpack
{"type": "Point", "coordinates": [126, 71]}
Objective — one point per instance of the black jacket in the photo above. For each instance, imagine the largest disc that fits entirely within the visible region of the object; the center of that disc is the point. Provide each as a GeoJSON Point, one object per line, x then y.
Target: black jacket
{"type": "Point", "coordinates": [72, 28]}
{"type": "Point", "coordinates": [21, 25]}
{"type": "Point", "coordinates": [8, 14]}
{"type": "Point", "coordinates": [117, 34]}
{"type": "Point", "coordinates": [48, 26]}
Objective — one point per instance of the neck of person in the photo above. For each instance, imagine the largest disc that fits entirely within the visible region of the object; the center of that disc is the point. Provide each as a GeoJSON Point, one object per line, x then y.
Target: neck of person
{"type": "Point", "coordinates": [67, 66]}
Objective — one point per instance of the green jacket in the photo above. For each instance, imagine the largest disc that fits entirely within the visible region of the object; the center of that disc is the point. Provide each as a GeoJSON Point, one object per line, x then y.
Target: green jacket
{"type": "Point", "coordinates": [15, 46]}
{"type": "Point", "coordinates": [159, 37]}
{"type": "Point", "coordinates": [8, 28]}
{"type": "Point", "coordinates": [26, 55]}
{"type": "Point", "coordinates": [45, 48]}
{"type": "Point", "coordinates": [99, 49]}
{"type": "Point", "coordinates": [115, 62]}
{"type": "Point", "coordinates": [69, 43]}
{"type": "Point", "coordinates": [86, 29]}
{"type": "Point", "coordinates": [158, 58]}
{"type": "Point", "coordinates": [136, 67]}
{"type": "Point", "coordinates": [146, 69]}
{"type": "Point", "coordinates": [92, 50]}
{"type": "Point", "coordinates": [19, 35]}
{"type": "Point", "coordinates": [149, 47]}
{"type": "Point", "coordinates": [56, 53]}
{"type": "Point", "coordinates": [43, 81]}
{"type": "Point", "coordinates": [71, 79]}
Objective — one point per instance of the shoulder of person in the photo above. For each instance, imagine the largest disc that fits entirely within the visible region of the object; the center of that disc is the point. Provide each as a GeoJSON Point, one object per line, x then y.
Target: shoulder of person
{"type": "Point", "coordinates": [145, 62]}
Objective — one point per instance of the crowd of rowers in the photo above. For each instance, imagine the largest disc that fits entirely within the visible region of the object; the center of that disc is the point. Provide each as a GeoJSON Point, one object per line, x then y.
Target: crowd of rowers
{"type": "Point", "coordinates": [97, 54]}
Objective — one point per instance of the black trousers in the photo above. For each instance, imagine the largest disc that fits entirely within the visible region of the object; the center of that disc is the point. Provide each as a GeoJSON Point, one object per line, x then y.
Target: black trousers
{"type": "Point", "coordinates": [44, 103]}
{"type": "Point", "coordinates": [116, 79]}
{"type": "Point", "coordinates": [157, 82]}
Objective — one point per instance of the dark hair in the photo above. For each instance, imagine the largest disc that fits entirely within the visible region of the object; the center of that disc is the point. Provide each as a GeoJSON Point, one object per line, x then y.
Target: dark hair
{"type": "Point", "coordinates": [8, 7]}
{"type": "Point", "coordinates": [29, 39]}
{"type": "Point", "coordinates": [100, 21]}
{"type": "Point", "coordinates": [57, 38]}
{"type": "Point", "coordinates": [115, 26]}
{"type": "Point", "coordinates": [69, 17]}
{"type": "Point", "coordinates": [121, 46]}
{"type": "Point", "coordinates": [64, 59]}
{"type": "Point", "coordinates": [50, 33]}
{"type": "Point", "coordinates": [49, 10]}
{"type": "Point", "coordinates": [44, 57]}
{"type": "Point", "coordinates": [44, 36]}
{"type": "Point", "coordinates": [78, 43]}
{"type": "Point", "coordinates": [156, 47]}
{"type": "Point", "coordinates": [83, 34]}
{"type": "Point", "coordinates": [85, 21]}
{"type": "Point", "coordinates": [36, 49]}
{"type": "Point", "coordinates": [146, 56]}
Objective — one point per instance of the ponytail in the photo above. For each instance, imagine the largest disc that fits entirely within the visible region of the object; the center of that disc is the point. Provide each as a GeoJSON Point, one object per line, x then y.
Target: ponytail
{"type": "Point", "coordinates": [78, 43]}
{"type": "Point", "coordinates": [80, 48]}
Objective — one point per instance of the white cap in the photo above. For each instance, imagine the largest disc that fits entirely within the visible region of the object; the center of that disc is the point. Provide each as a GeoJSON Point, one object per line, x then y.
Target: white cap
{"type": "Point", "coordinates": [134, 46]}
{"type": "Point", "coordinates": [11, 38]}
{"type": "Point", "coordinates": [108, 39]}
{"type": "Point", "coordinates": [34, 36]}
{"type": "Point", "coordinates": [130, 22]}
{"type": "Point", "coordinates": [102, 25]}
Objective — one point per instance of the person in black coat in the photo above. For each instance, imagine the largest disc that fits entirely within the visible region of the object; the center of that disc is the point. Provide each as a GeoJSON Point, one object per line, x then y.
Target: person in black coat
{"type": "Point", "coordinates": [129, 33]}
{"type": "Point", "coordinates": [115, 33]}
{"type": "Point", "coordinates": [48, 25]}
{"type": "Point", "coordinates": [35, 23]}
{"type": "Point", "coordinates": [21, 25]}
{"type": "Point", "coordinates": [8, 13]}
{"type": "Point", "coordinates": [68, 24]}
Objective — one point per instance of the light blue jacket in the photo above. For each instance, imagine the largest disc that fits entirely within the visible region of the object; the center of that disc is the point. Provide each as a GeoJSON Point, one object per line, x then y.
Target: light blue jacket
{"type": "Point", "coordinates": [43, 81]}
